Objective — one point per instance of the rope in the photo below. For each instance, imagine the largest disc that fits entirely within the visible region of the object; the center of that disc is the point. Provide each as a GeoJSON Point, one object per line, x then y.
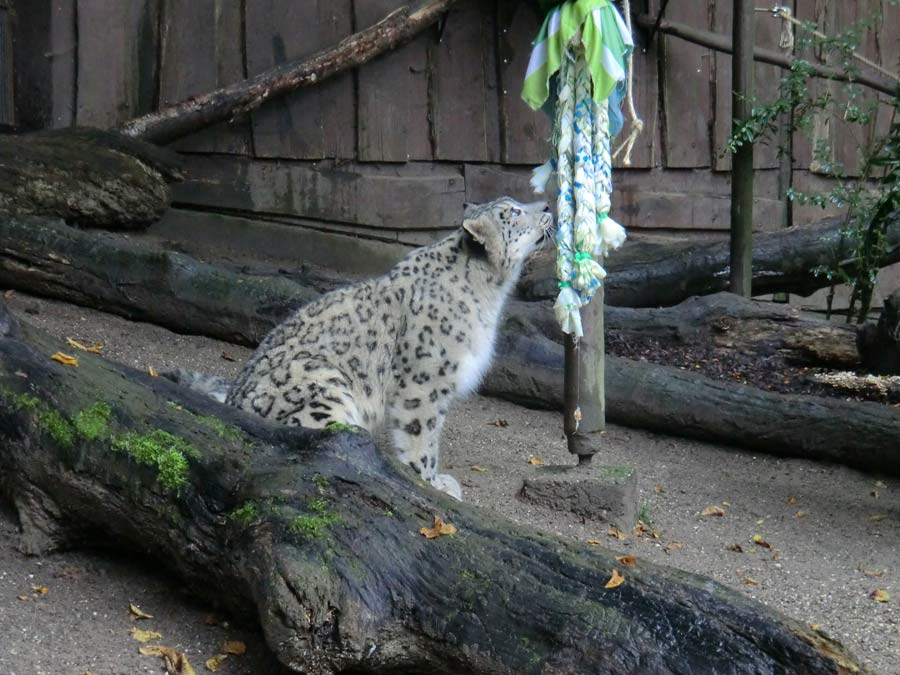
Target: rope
{"type": "Point", "coordinates": [785, 15]}
{"type": "Point", "coordinates": [637, 124]}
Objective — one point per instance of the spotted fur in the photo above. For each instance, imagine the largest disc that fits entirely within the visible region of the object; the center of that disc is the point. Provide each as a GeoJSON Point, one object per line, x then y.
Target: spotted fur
{"type": "Point", "coordinates": [390, 354]}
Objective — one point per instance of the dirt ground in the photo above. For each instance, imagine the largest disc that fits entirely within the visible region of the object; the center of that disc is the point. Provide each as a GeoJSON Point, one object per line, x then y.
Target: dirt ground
{"type": "Point", "coordinates": [833, 533]}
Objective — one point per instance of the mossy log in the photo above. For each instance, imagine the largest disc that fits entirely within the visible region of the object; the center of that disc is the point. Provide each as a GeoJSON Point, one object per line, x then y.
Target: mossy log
{"type": "Point", "coordinates": [317, 535]}
{"type": "Point", "coordinates": [86, 177]}
{"type": "Point", "coordinates": [645, 274]}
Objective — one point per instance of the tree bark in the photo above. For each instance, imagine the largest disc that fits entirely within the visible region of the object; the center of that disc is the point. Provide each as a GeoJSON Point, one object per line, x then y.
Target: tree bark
{"type": "Point", "coordinates": [645, 274]}
{"type": "Point", "coordinates": [87, 177]}
{"type": "Point", "coordinates": [199, 112]}
{"type": "Point", "coordinates": [123, 276]}
{"type": "Point", "coordinates": [316, 533]}
{"type": "Point", "coordinates": [879, 343]}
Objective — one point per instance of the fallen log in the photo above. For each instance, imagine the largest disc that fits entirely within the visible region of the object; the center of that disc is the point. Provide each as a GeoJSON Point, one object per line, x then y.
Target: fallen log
{"type": "Point", "coordinates": [647, 274]}
{"type": "Point", "coordinates": [122, 276]}
{"type": "Point", "coordinates": [199, 112]}
{"type": "Point", "coordinates": [317, 535]}
{"type": "Point", "coordinates": [528, 369]}
{"type": "Point", "coordinates": [86, 177]}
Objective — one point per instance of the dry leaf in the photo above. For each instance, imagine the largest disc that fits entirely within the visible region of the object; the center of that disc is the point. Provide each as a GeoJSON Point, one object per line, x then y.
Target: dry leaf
{"type": "Point", "coordinates": [659, 489]}
{"type": "Point", "coordinates": [735, 548]}
{"type": "Point", "coordinates": [791, 501]}
{"type": "Point", "coordinates": [176, 662]}
{"type": "Point", "coordinates": [627, 560]}
{"type": "Point", "coordinates": [152, 372]}
{"type": "Point", "coordinates": [499, 423]}
{"type": "Point", "coordinates": [213, 664]}
{"type": "Point", "coordinates": [712, 511]}
{"type": "Point", "coordinates": [40, 590]}
{"type": "Point", "coordinates": [211, 620]}
{"type": "Point", "coordinates": [228, 357]}
{"type": "Point", "coordinates": [24, 597]}
{"type": "Point", "coordinates": [615, 580]}
{"type": "Point", "coordinates": [870, 573]}
{"type": "Point", "coordinates": [759, 541]}
{"type": "Point", "coordinates": [877, 517]}
{"type": "Point", "coordinates": [640, 528]}
{"type": "Point", "coordinates": [880, 595]}
{"type": "Point", "coordinates": [728, 504]}
{"type": "Point", "coordinates": [535, 461]}
{"type": "Point", "coordinates": [137, 613]}
{"type": "Point", "coordinates": [65, 359]}
{"type": "Point", "coordinates": [236, 647]}
{"type": "Point", "coordinates": [479, 469]}
{"type": "Point", "coordinates": [594, 542]}
{"type": "Point", "coordinates": [93, 349]}
{"type": "Point", "coordinates": [144, 635]}
{"type": "Point", "coordinates": [749, 581]}
{"type": "Point", "coordinates": [439, 529]}
{"type": "Point", "coordinates": [673, 546]}
{"type": "Point", "coordinates": [613, 532]}
{"type": "Point", "coordinates": [801, 514]}
{"type": "Point", "coordinates": [760, 521]}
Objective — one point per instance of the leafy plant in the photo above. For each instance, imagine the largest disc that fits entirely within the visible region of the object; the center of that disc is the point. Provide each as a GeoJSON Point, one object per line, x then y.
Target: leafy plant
{"type": "Point", "coordinates": [870, 198]}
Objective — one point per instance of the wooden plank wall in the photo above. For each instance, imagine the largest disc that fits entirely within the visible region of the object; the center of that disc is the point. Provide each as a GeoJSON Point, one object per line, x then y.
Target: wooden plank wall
{"type": "Point", "coordinates": [7, 100]}
{"type": "Point", "coordinates": [391, 152]}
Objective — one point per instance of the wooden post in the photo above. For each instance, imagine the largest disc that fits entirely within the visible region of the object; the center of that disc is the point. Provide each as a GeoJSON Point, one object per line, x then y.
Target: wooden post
{"type": "Point", "coordinates": [585, 384]}
{"type": "Point", "coordinates": [742, 163]}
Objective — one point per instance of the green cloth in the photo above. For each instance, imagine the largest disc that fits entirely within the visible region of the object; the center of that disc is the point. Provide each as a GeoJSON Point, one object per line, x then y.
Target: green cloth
{"type": "Point", "coordinates": [607, 43]}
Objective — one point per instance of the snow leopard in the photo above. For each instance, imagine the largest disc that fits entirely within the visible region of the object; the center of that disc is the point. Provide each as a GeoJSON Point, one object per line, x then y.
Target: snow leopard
{"type": "Point", "coordinates": [390, 354]}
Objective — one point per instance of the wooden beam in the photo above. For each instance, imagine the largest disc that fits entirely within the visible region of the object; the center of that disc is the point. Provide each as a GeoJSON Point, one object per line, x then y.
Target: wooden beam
{"type": "Point", "coordinates": [722, 43]}
{"type": "Point", "coordinates": [742, 92]}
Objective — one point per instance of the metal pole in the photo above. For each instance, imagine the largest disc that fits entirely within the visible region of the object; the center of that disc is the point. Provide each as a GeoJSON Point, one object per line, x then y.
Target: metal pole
{"type": "Point", "coordinates": [584, 391]}
{"type": "Point", "coordinates": [742, 162]}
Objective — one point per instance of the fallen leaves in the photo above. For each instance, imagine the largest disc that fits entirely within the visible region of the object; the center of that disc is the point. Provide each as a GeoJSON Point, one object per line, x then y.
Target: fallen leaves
{"type": "Point", "coordinates": [65, 359]}
{"type": "Point", "coordinates": [673, 546]}
{"type": "Point", "coordinates": [880, 595]}
{"type": "Point", "coordinates": [594, 542]}
{"type": "Point", "coordinates": [877, 517]}
{"type": "Point", "coordinates": [176, 662]}
{"type": "Point", "coordinates": [138, 613]}
{"type": "Point", "coordinates": [502, 424]}
{"type": "Point", "coordinates": [759, 541]}
{"type": "Point", "coordinates": [439, 529]}
{"type": "Point", "coordinates": [735, 548]}
{"type": "Point", "coordinates": [238, 648]}
{"type": "Point", "coordinates": [627, 560]}
{"type": "Point", "coordinates": [535, 461]}
{"type": "Point", "coordinates": [228, 357]}
{"type": "Point", "coordinates": [713, 511]}
{"type": "Point", "coordinates": [96, 348]}
{"type": "Point", "coordinates": [144, 635]}
{"type": "Point", "coordinates": [213, 664]}
{"type": "Point", "coordinates": [617, 534]}
{"type": "Point", "coordinates": [801, 514]}
{"type": "Point", "coordinates": [40, 590]}
{"type": "Point", "coordinates": [152, 372]}
{"type": "Point", "coordinates": [478, 469]}
{"type": "Point", "coordinates": [24, 598]}
{"type": "Point", "coordinates": [868, 572]}
{"type": "Point", "coordinates": [615, 580]}
{"type": "Point", "coordinates": [749, 581]}
{"type": "Point", "coordinates": [791, 501]}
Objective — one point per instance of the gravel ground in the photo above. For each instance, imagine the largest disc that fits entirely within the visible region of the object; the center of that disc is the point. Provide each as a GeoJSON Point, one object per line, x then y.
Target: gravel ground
{"type": "Point", "coordinates": [833, 533]}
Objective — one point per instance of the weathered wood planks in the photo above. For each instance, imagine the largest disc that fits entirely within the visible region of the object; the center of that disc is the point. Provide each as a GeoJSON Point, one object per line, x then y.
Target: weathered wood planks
{"type": "Point", "coordinates": [314, 123]}
{"type": "Point", "coordinates": [7, 97]}
{"type": "Point", "coordinates": [201, 49]}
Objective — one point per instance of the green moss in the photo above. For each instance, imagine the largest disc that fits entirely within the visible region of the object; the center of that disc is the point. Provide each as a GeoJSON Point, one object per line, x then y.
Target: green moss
{"type": "Point", "coordinates": [167, 452]}
{"type": "Point", "coordinates": [321, 482]}
{"type": "Point", "coordinates": [340, 426]}
{"type": "Point", "coordinates": [225, 431]}
{"type": "Point", "coordinates": [313, 526]}
{"type": "Point", "coordinates": [245, 514]}
{"type": "Point", "coordinates": [644, 513]}
{"type": "Point", "coordinates": [59, 428]}
{"type": "Point", "coordinates": [23, 402]}
{"type": "Point", "coordinates": [93, 422]}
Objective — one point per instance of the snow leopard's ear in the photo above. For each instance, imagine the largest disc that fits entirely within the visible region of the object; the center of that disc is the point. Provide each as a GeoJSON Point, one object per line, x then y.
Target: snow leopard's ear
{"type": "Point", "coordinates": [478, 223]}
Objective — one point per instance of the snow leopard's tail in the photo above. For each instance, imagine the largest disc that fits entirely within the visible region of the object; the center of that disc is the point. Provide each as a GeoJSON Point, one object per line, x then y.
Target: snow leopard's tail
{"type": "Point", "coordinates": [211, 385]}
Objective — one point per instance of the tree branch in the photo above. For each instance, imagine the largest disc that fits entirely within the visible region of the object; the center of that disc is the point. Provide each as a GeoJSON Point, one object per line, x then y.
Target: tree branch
{"type": "Point", "coordinates": [237, 99]}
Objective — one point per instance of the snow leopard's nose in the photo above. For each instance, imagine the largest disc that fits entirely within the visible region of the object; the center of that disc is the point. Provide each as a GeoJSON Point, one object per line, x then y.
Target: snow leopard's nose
{"type": "Point", "coordinates": [546, 208]}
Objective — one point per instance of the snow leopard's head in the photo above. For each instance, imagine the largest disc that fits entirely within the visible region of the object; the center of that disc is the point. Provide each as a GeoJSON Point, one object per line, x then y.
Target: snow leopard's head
{"type": "Point", "coordinates": [508, 230]}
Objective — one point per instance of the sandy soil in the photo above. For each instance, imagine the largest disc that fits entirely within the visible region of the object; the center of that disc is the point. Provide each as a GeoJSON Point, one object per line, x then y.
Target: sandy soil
{"type": "Point", "coordinates": [831, 529]}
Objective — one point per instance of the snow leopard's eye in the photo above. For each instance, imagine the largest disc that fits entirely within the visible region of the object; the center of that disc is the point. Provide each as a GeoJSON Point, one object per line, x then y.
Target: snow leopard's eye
{"type": "Point", "coordinates": [515, 211]}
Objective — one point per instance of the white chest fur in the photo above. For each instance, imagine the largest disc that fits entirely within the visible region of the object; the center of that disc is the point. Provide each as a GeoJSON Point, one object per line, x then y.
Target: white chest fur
{"type": "Point", "coordinates": [475, 363]}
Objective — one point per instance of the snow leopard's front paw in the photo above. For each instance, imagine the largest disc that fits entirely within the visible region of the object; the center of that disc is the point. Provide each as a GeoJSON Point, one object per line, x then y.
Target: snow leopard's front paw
{"type": "Point", "coordinates": [447, 483]}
